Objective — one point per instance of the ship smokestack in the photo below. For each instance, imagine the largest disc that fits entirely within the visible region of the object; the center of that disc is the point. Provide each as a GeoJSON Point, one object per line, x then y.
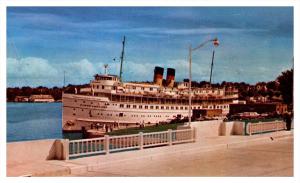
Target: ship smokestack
{"type": "Point", "coordinates": [158, 75]}
{"type": "Point", "coordinates": [170, 77]}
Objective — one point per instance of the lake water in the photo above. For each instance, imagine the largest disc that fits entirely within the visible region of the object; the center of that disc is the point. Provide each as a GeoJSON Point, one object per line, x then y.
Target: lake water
{"type": "Point", "coordinates": [32, 121]}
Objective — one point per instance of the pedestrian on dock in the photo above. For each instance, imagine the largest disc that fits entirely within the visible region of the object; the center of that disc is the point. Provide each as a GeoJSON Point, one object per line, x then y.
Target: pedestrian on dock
{"type": "Point", "coordinates": [288, 121]}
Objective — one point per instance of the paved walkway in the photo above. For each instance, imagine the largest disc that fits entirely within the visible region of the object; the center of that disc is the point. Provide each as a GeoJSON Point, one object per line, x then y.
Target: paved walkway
{"type": "Point", "coordinates": [266, 159]}
{"type": "Point", "coordinates": [258, 155]}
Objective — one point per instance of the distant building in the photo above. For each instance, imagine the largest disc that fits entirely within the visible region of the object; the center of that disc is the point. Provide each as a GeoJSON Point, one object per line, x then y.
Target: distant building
{"type": "Point", "coordinates": [41, 98]}
{"type": "Point", "coordinates": [260, 108]}
{"type": "Point", "coordinates": [239, 102]}
{"type": "Point", "coordinates": [198, 113]}
{"type": "Point", "coordinates": [281, 108]}
{"type": "Point", "coordinates": [261, 86]}
{"type": "Point", "coordinates": [21, 99]}
{"type": "Point", "coordinates": [259, 99]}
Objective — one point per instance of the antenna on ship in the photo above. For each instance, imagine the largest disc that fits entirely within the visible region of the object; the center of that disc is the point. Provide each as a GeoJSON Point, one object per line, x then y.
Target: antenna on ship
{"type": "Point", "coordinates": [122, 58]}
{"type": "Point", "coordinates": [216, 43]}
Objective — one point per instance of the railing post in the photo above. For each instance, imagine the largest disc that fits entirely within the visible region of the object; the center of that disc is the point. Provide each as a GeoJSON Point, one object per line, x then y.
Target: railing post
{"type": "Point", "coordinates": [250, 128]}
{"type": "Point", "coordinates": [106, 144]}
{"type": "Point", "coordinates": [66, 149]}
{"type": "Point", "coordinates": [261, 127]}
{"type": "Point", "coordinates": [194, 134]}
{"type": "Point", "coordinates": [141, 140]}
{"type": "Point", "coordinates": [170, 136]}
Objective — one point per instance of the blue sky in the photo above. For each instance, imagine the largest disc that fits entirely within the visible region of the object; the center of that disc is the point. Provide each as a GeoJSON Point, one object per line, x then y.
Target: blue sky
{"type": "Point", "coordinates": [256, 43]}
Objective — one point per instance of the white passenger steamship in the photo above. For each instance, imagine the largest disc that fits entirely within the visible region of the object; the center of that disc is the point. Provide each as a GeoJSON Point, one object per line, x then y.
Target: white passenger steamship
{"type": "Point", "coordinates": [110, 101]}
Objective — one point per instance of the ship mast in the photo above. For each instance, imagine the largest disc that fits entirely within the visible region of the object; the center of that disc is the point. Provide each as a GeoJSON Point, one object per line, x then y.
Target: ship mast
{"type": "Point", "coordinates": [212, 65]}
{"type": "Point", "coordinates": [122, 58]}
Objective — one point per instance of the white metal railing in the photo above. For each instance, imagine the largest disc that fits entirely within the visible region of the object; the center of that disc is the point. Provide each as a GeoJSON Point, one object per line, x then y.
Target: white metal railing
{"type": "Point", "coordinates": [107, 144]}
{"type": "Point", "coordinates": [86, 147]}
{"type": "Point", "coordinates": [262, 127]}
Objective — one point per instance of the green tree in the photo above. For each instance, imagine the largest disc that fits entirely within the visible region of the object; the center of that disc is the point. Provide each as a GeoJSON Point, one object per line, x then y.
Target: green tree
{"type": "Point", "coordinates": [286, 80]}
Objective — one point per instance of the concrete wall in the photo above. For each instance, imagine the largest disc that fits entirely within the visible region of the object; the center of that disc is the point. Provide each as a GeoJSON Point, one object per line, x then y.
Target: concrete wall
{"type": "Point", "coordinates": [218, 128]}
{"type": "Point", "coordinates": [37, 150]}
{"type": "Point", "coordinates": [232, 128]}
{"type": "Point", "coordinates": [207, 128]}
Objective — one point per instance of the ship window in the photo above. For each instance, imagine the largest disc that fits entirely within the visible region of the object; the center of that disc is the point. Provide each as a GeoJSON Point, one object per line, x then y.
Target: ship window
{"type": "Point", "coordinates": [157, 107]}
{"type": "Point", "coordinates": [140, 106]}
{"type": "Point", "coordinates": [176, 108]}
{"type": "Point", "coordinates": [172, 107]}
{"type": "Point", "coordinates": [128, 106]}
{"type": "Point", "coordinates": [134, 106]}
{"type": "Point", "coordinates": [186, 108]}
{"type": "Point", "coordinates": [97, 86]}
{"type": "Point", "coordinates": [121, 105]}
{"type": "Point", "coordinates": [74, 114]}
{"type": "Point", "coordinates": [102, 87]}
{"type": "Point", "coordinates": [142, 88]}
{"type": "Point", "coordinates": [181, 108]}
{"type": "Point", "coordinates": [151, 89]}
{"type": "Point", "coordinates": [167, 107]}
{"type": "Point", "coordinates": [121, 115]}
{"type": "Point", "coordinates": [162, 107]}
{"type": "Point", "coordinates": [151, 107]}
{"type": "Point", "coordinates": [146, 107]}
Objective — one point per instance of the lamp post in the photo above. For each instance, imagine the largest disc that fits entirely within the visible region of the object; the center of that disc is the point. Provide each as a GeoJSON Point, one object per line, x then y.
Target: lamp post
{"type": "Point", "coordinates": [216, 43]}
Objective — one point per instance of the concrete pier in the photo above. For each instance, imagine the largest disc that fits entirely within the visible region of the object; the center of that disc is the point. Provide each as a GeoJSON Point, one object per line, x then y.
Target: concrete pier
{"type": "Point", "coordinates": [268, 154]}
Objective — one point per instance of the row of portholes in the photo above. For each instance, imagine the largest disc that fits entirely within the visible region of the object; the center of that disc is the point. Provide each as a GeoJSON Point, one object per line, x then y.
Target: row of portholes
{"type": "Point", "coordinates": [161, 107]}
{"type": "Point", "coordinates": [123, 115]}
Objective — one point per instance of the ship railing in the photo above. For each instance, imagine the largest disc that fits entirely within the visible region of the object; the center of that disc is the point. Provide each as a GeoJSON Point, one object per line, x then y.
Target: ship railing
{"type": "Point", "coordinates": [110, 144]}
{"type": "Point", "coordinates": [264, 127]}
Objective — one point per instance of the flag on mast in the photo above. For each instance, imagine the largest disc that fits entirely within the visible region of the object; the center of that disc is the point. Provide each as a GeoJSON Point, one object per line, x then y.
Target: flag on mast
{"type": "Point", "coordinates": [216, 42]}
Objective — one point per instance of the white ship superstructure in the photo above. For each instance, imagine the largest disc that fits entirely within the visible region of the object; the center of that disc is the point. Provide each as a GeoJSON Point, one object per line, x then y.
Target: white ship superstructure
{"type": "Point", "coordinates": [110, 101]}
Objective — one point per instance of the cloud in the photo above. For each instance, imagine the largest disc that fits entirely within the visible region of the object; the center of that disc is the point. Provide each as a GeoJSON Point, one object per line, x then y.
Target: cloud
{"type": "Point", "coordinates": [34, 71]}
{"type": "Point", "coordinates": [80, 69]}
{"type": "Point", "coordinates": [30, 67]}
{"type": "Point", "coordinates": [187, 31]}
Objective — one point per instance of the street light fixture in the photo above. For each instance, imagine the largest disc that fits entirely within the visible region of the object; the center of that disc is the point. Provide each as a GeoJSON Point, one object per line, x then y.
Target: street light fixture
{"type": "Point", "coordinates": [215, 43]}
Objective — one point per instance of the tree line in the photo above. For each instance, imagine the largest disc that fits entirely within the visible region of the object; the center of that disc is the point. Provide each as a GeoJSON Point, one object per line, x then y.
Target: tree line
{"type": "Point", "coordinates": [281, 87]}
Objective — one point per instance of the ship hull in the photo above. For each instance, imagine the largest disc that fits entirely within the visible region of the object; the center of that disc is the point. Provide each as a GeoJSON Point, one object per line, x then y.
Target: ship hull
{"type": "Point", "coordinates": [88, 112]}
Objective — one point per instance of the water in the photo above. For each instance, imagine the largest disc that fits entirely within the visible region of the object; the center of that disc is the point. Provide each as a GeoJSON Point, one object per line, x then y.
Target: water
{"type": "Point", "coordinates": [32, 121]}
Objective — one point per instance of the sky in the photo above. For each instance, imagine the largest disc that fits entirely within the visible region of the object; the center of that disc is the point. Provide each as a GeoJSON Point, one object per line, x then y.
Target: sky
{"type": "Point", "coordinates": [256, 43]}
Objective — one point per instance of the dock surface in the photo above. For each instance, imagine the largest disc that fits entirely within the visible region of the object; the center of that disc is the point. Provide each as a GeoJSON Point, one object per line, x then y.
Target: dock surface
{"type": "Point", "coordinates": [258, 155]}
